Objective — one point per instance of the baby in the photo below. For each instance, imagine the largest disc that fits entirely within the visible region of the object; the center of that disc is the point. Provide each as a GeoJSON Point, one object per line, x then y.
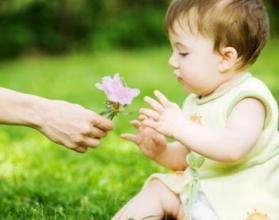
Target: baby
{"type": "Point", "coordinates": [226, 153]}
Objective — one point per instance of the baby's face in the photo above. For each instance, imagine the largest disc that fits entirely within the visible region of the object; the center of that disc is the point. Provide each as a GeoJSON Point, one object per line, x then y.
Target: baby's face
{"type": "Point", "coordinates": [195, 63]}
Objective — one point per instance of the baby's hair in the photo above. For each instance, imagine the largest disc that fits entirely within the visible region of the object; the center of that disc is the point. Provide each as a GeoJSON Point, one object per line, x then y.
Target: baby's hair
{"type": "Point", "coordinates": [241, 24]}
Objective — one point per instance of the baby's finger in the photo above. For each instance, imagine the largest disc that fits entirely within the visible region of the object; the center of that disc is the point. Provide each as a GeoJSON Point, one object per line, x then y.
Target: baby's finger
{"type": "Point", "coordinates": [159, 141]}
{"type": "Point", "coordinates": [154, 104]}
{"type": "Point", "coordinates": [130, 137]}
{"type": "Point", "coordinates": [150, 123]}
{"type": "Point", "coordinates": [135, 124]}
{"type": "Point", "coordinates": [150, 113]}
{"type": "Point", "coordinates": [162, 98]}
{"type": "Point", "coordinates": [142, 117]}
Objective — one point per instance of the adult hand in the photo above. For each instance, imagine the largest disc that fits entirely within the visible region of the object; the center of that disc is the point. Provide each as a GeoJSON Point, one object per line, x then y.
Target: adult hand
{"type": "Point", "coordinates": [72, 125]}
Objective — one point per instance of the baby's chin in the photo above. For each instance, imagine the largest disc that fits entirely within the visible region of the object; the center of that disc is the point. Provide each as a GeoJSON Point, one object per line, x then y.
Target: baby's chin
{"type": "Point", "coordinates": [188, 89]}
{"type": "Point", "coordinates": [193, 91]}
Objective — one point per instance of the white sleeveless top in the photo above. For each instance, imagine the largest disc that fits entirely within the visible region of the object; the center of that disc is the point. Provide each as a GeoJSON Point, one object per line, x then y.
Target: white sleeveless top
{"type": "Point", "coordinates": [236, 191]}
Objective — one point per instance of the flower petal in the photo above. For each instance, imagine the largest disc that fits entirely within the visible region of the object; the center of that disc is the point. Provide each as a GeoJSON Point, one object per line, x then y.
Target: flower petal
{"type": "Point", "coordinates": [115, 90]}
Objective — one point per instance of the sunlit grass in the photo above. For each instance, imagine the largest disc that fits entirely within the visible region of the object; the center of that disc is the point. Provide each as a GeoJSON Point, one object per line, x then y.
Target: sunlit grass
{"type": "Point", "coordinates": [41, 180]}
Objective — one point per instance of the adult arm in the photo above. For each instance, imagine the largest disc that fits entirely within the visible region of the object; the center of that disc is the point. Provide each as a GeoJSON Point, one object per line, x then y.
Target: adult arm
{"type": "Point", "coordinates": [64, 123]}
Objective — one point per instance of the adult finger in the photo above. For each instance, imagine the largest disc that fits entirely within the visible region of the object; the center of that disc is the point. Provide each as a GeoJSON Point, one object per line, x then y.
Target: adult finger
{"type": "Point", "coordinates": [95, 132]}
{"type": "Point", "coordinates": [91, 142]}
{"type": "Point", "coordinates": [154, 104]}
{"type": "Point", "coordinates": [162, 98]}
{"type": "Point", "coordinates": [150, 113]}
{"type": "Point", "coordinates": [130, 137]}
{"type": "Point", "coordinates": [102, 123]}
{"type": "Point", "coordinates": [80, 149]}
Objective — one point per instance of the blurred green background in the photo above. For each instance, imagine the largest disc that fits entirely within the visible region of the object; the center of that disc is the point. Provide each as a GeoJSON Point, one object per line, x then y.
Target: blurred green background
{"type": "Point", "coordinates": [59, 49]}
{"type": "Point", "coordinates": [60, 26]}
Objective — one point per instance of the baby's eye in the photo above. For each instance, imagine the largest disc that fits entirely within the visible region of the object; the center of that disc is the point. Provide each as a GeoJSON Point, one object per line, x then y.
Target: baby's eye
{"type": "Point", "coordinates": [183, 54]}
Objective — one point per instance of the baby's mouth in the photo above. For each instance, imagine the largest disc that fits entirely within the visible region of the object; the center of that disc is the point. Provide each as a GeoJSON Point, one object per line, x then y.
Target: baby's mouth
{"type": "Point", "coordinates": [179, 79]}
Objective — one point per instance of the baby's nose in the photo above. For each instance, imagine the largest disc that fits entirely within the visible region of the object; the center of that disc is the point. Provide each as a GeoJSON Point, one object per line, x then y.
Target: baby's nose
{"type": "Point", "coordinates": [173, 62]}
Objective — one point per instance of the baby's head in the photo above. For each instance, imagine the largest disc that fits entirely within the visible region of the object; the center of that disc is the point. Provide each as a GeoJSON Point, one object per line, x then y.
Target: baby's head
{"type": "Point", "coordinates": [239, 24]}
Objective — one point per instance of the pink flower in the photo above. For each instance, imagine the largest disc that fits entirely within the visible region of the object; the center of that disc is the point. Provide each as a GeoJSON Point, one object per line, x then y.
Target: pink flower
{"type": "Point", "coordinates": [116, 91]}
{"type": "Point", "coordinates": [119, 95]}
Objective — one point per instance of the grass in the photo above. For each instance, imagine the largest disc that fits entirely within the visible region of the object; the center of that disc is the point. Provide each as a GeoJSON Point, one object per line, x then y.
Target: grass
{"type": "Point", "coordinates": [42, 180]}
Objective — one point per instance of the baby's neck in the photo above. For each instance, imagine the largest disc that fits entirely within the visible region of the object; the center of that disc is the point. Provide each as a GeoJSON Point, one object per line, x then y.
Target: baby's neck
{"type": "Point", "coordinates": [232, 77]}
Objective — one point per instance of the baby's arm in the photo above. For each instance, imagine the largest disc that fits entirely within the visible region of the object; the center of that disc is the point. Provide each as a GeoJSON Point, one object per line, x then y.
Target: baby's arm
{"type": "Point", "coordinates": [174, 156]}
{"type": "Point", "coordinates": [154, 145]}
{"type": "Point", "coordinates": [227, 144]}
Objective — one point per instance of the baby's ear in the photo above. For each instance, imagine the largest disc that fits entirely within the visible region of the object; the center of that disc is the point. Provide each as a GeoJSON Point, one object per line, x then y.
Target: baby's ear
{"type": "Point", "coordinates": [229, 58]}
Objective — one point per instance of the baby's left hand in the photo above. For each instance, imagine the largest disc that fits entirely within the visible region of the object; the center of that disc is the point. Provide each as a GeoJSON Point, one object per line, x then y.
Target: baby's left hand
{"type": "Point", "coordinates": [165, 116]}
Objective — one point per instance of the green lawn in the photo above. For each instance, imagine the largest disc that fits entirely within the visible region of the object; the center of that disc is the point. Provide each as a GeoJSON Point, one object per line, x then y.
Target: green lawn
{"type": "Point", "coordinates": [42, 180]}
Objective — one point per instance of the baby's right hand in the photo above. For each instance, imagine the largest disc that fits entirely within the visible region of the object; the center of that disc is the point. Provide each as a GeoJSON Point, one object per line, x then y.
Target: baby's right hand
{"type": "Point", "coordinates": [149, 141]}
